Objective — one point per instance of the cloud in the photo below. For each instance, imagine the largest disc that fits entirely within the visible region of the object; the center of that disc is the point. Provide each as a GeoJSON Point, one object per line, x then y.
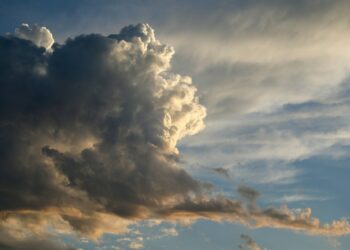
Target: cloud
{"type": "Point", "coordinates": [18, 241]}
{"type": "Point", "coordinates": [135, 245]}
{"type": "Point", "coordinates": [263, 148]}
{"type": "Point", "coordinates": [249, 243]}
{"type": "Point", "coordinates": [40, 36]}
{"type": "Point", "coordinates": [88, 141]}
{"type": "Point", "coordinates": [277, 69]}
{"type": "Point", "coordinates": [97, 131]}
{"type": "Point", "coordinates": [250, 194]}
{"type": "Point", "coordinates": [222, 171]}
{"type": "Point", "coordinates": [34, 245]}
{"type": "Point", "coordinates": [169, 232]}
{"type": "Point", "coordinates": [247, 212]}
{"type": "Point", "coordinates": [262, 55]}
{"type": "Point", "coordinates": [334, 243]}
{"type": "Point", "coordinates": [300, 197]}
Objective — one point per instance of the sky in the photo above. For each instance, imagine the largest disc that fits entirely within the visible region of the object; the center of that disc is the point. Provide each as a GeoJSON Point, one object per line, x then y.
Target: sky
{"type": "Point", "coordinates": [140, 124]}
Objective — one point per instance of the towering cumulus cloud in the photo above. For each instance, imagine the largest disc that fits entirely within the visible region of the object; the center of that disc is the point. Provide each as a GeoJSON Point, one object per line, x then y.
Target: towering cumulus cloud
{"type": "Point", "coordinates": [88, 136]}
{"type": "Point", "coordinates": [94, 125]}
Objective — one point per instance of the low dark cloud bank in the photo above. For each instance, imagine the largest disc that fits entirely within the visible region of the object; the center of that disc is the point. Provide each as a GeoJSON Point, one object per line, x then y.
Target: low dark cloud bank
{"type": "Point", "coordinates": [88, 134]}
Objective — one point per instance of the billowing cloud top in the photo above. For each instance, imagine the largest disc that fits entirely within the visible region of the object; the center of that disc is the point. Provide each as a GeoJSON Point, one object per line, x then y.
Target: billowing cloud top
{"type": "Point", "coordinates": [40, 36]}
{"type": "Point", "coordinates": [88, 137]}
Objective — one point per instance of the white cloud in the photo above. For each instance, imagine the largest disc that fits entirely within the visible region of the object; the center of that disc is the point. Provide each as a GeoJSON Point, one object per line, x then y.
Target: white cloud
{"type": "Point", "coordinates": [40, 36]}
{"type": "Point", "coordinates": [169, 232]}
{"type": "Point", "coordinates": [300, 197]}
{"type": "Point", "coordinates": [136, 245]}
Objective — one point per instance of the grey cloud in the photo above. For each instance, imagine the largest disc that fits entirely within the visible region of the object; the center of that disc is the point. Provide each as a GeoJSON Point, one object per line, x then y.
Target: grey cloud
{"type": "Point", "coordinates": [222, 171]}
{"type": "Point", "coordinates": [250, 196]}
{"type": "Point", "coordinates": [34, 245]}
{"type": "Point", "coordinates": [248, 193]}
{"type": "Point", "coordinates": [249, 243]}
{"type": "Point", "coordinates": [249, 213]}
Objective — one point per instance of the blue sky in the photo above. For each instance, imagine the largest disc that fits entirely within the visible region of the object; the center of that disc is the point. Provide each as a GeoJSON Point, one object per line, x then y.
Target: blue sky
{"type": "Point", "coordinates": [274, 79]}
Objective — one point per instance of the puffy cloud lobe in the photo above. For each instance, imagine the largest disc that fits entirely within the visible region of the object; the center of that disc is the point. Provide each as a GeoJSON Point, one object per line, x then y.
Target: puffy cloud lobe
{"type": "Point", "coordinates": [40, 36]}
{"type": "Point", "coordinates": [88, 138]}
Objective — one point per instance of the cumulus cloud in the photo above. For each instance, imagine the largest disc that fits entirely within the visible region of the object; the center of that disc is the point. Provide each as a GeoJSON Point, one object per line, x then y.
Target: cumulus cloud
{"type": "Point", "coordinates": [98, 131]}
{"type": "Point", "coordinates": [40, 36]}
{"type": "Point", "coordinates": [89, 137]}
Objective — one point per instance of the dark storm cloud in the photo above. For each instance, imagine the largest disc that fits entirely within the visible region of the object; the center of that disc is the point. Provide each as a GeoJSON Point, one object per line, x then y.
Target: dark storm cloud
{"type": "Point", "coordinates": [88, 135]}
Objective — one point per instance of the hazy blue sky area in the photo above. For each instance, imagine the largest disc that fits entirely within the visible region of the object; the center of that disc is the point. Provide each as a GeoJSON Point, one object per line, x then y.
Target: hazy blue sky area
{"type": "Point", "coordinates": [236, 158]}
